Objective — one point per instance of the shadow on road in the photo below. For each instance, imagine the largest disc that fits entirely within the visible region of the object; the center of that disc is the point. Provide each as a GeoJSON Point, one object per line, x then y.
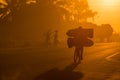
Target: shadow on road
{"type": "Point", "coordinates": [66, 74]}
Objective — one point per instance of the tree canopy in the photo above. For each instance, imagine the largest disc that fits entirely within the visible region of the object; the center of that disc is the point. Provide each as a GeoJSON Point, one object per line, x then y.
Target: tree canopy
{"type": "Point", "coordinates": [57, 10]}
{"type": "Point", "coordinates": [21, 19]}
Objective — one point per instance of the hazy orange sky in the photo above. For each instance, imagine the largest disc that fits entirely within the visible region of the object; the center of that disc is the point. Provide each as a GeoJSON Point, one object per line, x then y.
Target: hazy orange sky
{"type": "Point", "coordinates": [108, 12]}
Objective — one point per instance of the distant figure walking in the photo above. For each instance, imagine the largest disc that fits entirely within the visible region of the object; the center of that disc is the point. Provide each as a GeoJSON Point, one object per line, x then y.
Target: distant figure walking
{"type": "Point", "coordinates": [48, 38]}
{"type": "Point", "coordinates": [79, 38]}
{"type": "Point", "coordinates": [55, 38]}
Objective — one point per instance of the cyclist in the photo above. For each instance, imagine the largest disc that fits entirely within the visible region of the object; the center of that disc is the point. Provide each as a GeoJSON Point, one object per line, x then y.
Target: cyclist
{"type": "Point", "coordinates": [79, 39]}
{"type": "Point", "coordinates": [55, 38]}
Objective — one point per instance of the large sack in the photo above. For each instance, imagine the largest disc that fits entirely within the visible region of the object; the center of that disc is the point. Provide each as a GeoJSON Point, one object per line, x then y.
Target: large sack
{"type": "Point", "coordinates": [72, 32]}
{"type": "Point", "coordinates": [84, 32]}
{"type": "Point", "coordinates": [70, 42]}
{"type": "Point", "coordinates": [88, 43]}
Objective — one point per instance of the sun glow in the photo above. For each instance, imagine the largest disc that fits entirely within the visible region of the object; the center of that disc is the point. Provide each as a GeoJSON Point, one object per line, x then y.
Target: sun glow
{"type": "Point", "coordinates": [109, 2]}
{"type": "Point", "coordinates": [108, 12]}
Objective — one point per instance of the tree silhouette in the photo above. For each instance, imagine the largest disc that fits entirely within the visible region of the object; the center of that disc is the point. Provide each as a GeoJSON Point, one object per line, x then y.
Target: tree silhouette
{"type": "Point", "coordinates": [29, 19]}
{"type": "Point", "coordinates": [103, 32]}
{"type": "Point", "coordinates": [59, 11]}
{"type": "Point", "coordinates": [78, 9]}
{"type": "Point", "coordinates": [10, 9]}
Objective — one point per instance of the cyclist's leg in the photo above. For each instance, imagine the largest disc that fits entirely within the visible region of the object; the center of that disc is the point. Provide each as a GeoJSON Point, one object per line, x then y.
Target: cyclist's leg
{"type": "Point", "coordinates": [76, 54]}
{"type": "Point", "coordinates": [81, 53]}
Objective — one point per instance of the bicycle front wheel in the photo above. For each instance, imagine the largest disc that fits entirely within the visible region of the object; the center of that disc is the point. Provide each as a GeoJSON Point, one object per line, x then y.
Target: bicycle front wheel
{"type": "Point", "coordinates": [76, 56]}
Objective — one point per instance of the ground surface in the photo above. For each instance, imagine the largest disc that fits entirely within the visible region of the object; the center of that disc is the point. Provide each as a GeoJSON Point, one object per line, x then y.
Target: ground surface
{"type": "Point", "coordinates": [101, 62]}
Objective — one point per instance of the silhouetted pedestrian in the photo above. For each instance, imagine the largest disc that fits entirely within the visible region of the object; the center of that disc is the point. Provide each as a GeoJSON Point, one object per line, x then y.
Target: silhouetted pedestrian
{"type": "Point", "coordinates": [55, 38]}
{"type": "Point", "coordinates": [48, 38]}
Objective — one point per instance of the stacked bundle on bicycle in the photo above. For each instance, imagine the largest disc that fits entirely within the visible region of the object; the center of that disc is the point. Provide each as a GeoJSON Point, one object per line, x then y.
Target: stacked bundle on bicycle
{"type": "Point", "coordinates": [80, 37]}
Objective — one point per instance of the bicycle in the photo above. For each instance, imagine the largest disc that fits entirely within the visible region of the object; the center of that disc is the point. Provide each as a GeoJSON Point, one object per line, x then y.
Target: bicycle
{"type": "Point", "coordinates": [78, 55]}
